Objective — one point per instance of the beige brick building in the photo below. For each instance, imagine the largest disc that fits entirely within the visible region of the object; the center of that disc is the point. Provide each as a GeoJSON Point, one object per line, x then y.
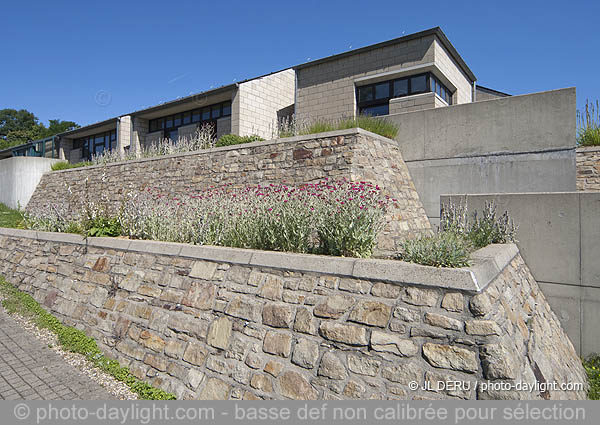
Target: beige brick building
{"type": "Point", "coordinates": [415, 72]}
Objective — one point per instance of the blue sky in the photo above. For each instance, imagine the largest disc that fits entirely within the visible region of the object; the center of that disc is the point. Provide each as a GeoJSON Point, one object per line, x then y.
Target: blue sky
{"type": "Point", "coordinates": [86, 62]}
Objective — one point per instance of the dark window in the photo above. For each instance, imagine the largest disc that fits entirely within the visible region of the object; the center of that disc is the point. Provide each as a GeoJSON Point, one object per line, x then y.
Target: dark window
{"type": "Point", "coordinates": [173, 135]}
{"type": "Point", "coordinates": [226, 109]}
{"type": "Point", "coordinates": [400, 87]}
{"type": "Point", "coordinates": [205, 115]}
{"type": "Point", "coordinates": [376, 110]}
{"type": "Point", "coordinates": [418, 84]}
{"type": "Point", "coordinates": [374, 98]}
{"type": "Point", "coordinates": [365, 94]}
{"type": "Point", "coordinates": [196, 115]}
{"type": "Point", "coordinates": [382, 91]}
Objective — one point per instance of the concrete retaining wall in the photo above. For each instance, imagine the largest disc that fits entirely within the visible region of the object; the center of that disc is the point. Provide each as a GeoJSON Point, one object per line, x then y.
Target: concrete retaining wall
{"type": "Point", "coordinates": [508, 145]}
{"type": "Point", "coordinates": [19, 176]}
{"type": "Point", "coordinates": [559, 238]}
{"type": "Point", "coordinates": [219, 323]}
{"type": "Point", "coordinates": [588, 168]}
{"type": "Point", "coordinates": [353, 154]}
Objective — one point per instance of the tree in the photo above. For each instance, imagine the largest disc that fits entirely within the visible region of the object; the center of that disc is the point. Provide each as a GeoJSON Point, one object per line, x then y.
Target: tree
{"type": "Point", "coordinates": [58, 126]}
{"type": "Point", "coordinates": [21, 126]}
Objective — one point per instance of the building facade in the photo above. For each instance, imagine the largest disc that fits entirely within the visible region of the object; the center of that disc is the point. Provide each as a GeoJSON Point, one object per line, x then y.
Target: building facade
{"type": "Point", "coordinates": [414, 72]}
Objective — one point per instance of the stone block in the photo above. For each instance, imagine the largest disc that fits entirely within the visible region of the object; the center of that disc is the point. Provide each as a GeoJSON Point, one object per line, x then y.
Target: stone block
{"type": "Point", "coordinates": [279, 344]}
{"type": "Point", "coordinates": [347, 334]}
{"type": "Point", "coordinates": [384, 342]}
{"type": "Point", "coordinates": [295, 386]}
{"type": "Point", "coordinates": [372, 313]}
{"type": "Point", "coordinates": [278, 315]}
{"type": "Point", "coordinates": [306, 353]}
{"type": "Point", "coordinates": [219, 333]}
{"type": "Point", "coordinates": [450, 357]}
{"type": "Point", "coordinates": [334, 306]}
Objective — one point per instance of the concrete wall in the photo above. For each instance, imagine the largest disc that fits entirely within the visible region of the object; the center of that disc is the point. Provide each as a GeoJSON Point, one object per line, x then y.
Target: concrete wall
{"type": "Point", "coordinates": [19, 176]}
{"type": "Point", "coordinates": [218, 323]}
{"type": "Point", "coordinates": [417, 102]}
{"type": "Point", "coordinates": [484, 93]}
{"type": "Point", "coordinates": [256, 103]}
{"type": "Point", "coordinates": [514, 144]}
{"type": "Point", "coordinates": [559, 238]}
{"type": "Point", "coordinates": [588, 168]}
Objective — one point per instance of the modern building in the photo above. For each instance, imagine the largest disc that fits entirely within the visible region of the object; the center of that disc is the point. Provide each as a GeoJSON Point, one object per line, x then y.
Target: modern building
{"type": "Point", "coordinates": [414, 72]}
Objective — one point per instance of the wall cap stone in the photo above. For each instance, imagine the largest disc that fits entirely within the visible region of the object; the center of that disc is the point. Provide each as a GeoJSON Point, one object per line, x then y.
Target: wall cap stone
{"type": "Point", "coordinates": [487, 263]}
{"type": "Point", "coordinates": [293, 139]}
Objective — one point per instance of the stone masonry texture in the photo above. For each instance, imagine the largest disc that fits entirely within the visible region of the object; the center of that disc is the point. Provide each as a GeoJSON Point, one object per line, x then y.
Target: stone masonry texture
{"type": "Point", "coordinates": [353, 154]}
{"type": "Point", "coordinates": [220, 330]}
{"type": "Point", "coordinates": [588, 168]}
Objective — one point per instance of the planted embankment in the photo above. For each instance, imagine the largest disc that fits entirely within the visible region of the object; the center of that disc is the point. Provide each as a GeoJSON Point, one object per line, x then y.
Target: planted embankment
{"type": "Point", "coordinates": [353, 154]}
{"type": "Point", "coordinates": [205, 322]}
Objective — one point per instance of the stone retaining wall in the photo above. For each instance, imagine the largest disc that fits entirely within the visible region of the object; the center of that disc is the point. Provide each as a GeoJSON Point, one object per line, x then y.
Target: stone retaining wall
{"type": "Point", "coordinates": [220, 323]}
{"type": "Point", "coordinates": [588, 168]}
{"type": "Point", "coordinates": [353, 154]}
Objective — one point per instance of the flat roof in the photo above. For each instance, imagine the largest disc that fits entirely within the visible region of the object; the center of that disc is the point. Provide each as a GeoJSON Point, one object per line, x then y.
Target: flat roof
{"type": "Point", "coordinates": [437, 31]}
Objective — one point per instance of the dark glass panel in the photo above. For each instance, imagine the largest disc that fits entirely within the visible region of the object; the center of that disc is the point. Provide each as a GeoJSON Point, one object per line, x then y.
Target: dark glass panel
{"type": "Point", "coordinates": [400, 87]}
{"type": "Point", "coordinates": [196, 115]}
{"type": "Point", "coordinates": [365, 94]}
{"type": "Point", "coordinates": [187, 118]}
{"type": "Point", "coordinates": [205, 114]}
{"type": "Point", "coordinates": [216, 111]}
{"type": "Point", "coordinates": [376, 110]}
{"type": "Point", "coordinates": [382, 90]}
{"type": "Point", "coordinates": [418, 84]}
{"type": "Point", "coordinates": [226, 109]}
{"type": "Point", "coordinates": [177, 120]}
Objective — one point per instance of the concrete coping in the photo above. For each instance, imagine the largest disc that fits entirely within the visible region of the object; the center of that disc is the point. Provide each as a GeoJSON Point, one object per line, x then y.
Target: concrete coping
{"type": "Point", "coordinates": [293, 139]}
{"type": "Point", "coordinates": [588, 148]}
{"type": "Point", "coordinates": [487, 263]}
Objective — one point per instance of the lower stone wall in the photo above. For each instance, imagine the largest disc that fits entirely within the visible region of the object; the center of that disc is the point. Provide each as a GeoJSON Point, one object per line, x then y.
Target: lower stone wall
{"type": "Point", "coordinates": [218, 323]}
{"type": "Point", "coordinates": [588, 168]}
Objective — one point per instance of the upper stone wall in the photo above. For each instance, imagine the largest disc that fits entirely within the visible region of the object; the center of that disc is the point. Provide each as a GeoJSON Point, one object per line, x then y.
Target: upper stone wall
{"type": "Point", "coordinates": [353, 154]}
{"type": "Point", "coordinates": [588, 168]}
{"type": "Point", "coordinates": [221, 323]}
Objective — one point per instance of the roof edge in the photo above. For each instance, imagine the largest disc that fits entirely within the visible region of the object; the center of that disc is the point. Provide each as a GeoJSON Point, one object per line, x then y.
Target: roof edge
{"type": "Point", "coordinates": [437, 31]}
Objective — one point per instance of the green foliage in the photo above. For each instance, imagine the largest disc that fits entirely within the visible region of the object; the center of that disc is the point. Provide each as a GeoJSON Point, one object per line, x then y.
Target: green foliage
{"type": "Point", "coordinates": [592, 368]}
{"type": "Point", "coordinates": [21, 126]}
{"type": "Point", "coordinates": [10, 218]}
{"type": "Point", "coordinates": [380, 126]}
{"type": "Point", "coordinates": [444, 249]}
{"type": "Point", "coordinates": [320, 126]}
{"type": "Point", "coordinates": [588, 125]}
{"type": "Point", "coordinates": [75, 340]}
{"type": "Point", "coordinates": [480, 230]}
{"type": "Point", "coordinates": [234, 139]}
{"type": "Point", "coordinates": [459, 236]}
{"type": "Point", "coordinates": [376, 125]}
{"type": "Point", "coordinates": [103, 226]}
{"type": "Point", "coordinates": [64, 165]}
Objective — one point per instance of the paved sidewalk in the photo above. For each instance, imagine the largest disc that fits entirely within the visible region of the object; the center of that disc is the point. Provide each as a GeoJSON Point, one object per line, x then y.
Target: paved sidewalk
{"type": "Point", "coordinates": [30, 370]}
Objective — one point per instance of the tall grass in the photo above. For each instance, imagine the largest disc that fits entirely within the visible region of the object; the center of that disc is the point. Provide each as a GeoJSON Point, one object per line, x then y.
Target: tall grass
{"type": "Point", "coordinates": [588, 125]}
{"type": "Point", "coordinates": [293, 127]}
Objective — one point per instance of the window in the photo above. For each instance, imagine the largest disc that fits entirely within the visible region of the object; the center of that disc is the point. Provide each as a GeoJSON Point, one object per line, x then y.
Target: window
{"type": "Point", "coordinates": [374, 98]}
{"type": "Point", "coordinates": [208, 114]}
{"type": "Point", "coordinates": [95, 144]}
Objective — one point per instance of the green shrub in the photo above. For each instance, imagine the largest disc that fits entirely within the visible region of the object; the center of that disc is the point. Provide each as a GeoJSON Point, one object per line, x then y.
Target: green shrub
{"type": "Point", "coordinates": [588, 125]}
{"type": "Point", "coordinates": [592, 368]}
{"type": "Point", "coordinates": [64, 165]}
{"type": "Point", "coordinates": [444, 249]}
{"type": "Point", "coordinates": [76, 341]}
{"type": "Point", "coordinates": [102, 226]}
{"type": "Point", "coordinates": [234, 139]}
